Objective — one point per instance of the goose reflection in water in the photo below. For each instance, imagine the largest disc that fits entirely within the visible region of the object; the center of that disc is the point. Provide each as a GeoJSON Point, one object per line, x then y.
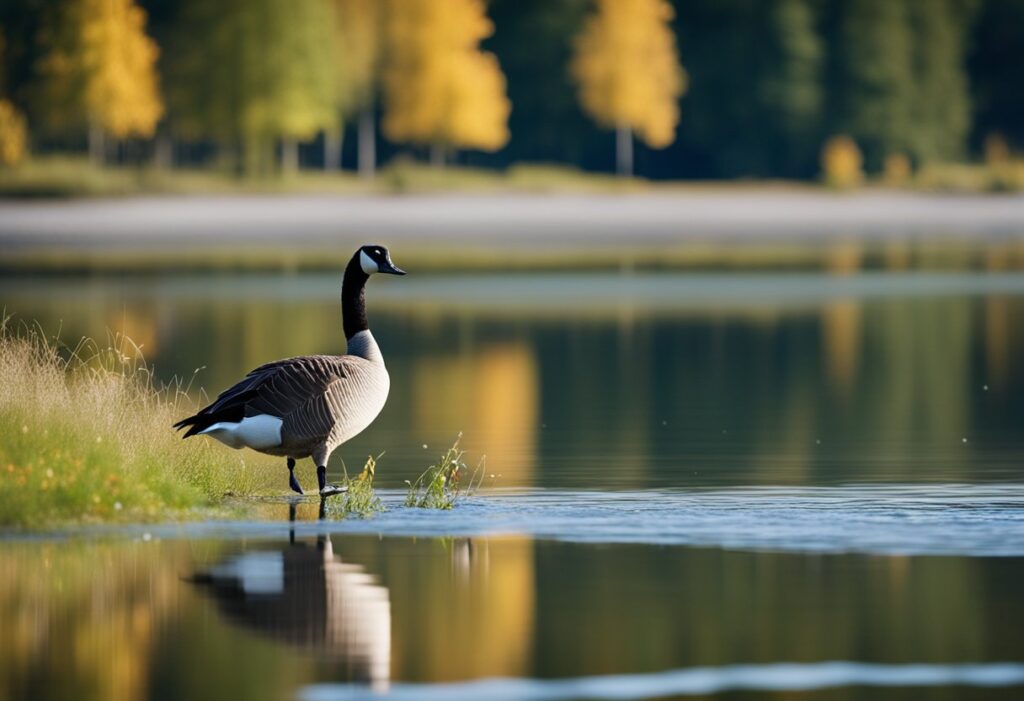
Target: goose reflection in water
{"type": "Point", "coordinates": [304, 595]}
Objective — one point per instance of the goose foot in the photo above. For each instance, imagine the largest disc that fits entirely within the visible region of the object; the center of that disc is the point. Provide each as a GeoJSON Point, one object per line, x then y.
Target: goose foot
{"type": "Point", "coordinates": [292, 482]}
{"type": "Point", "coordinates": [327, 490]}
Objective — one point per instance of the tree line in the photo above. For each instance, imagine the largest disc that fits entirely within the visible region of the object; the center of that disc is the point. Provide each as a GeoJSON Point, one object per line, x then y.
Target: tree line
{"type": "Point", "coordinates": [690, 88]}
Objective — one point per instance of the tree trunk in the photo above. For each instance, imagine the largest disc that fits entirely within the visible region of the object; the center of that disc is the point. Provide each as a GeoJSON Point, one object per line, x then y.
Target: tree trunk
{"type": "Point", "coordinates": [437, 155]}
{"type": "Point", "coordinates": [624, 150]}
{"type": "Point", "coordinates": [97, 148]}
{"type": "Point", "coordinates": [163, 154]}
{"type": "Point", "coordinates": [333, 142]}
{"type": "Point", "coordinates": [289, 156]}
{"type": "Point", "coordinates": [367, 144]}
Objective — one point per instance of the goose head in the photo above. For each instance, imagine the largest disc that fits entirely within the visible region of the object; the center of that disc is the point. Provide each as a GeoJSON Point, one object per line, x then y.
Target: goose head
{"type": "Point", "coordinates": [374, 258]}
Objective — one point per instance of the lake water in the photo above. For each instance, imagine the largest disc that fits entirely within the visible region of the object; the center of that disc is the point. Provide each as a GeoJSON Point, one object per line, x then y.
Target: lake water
{"type": "Point", "coordinates": [782, 486]}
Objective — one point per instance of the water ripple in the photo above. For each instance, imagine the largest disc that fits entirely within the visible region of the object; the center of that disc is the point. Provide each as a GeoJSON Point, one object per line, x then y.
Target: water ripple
{"type": "Point", "coordinates": [689, 682]}
{"type": "Point", "coordinates": [948, 519]}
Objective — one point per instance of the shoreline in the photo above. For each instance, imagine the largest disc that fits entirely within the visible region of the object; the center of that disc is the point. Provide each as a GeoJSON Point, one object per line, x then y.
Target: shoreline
{"type": "Point", "coordinates": [745, 214]}
{"type": "Point", "coordinates": [767, 228]}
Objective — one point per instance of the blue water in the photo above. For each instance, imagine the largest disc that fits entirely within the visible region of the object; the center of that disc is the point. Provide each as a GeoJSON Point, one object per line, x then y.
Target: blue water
{"type": "Point", "coordinates": [688, 682]}
{"type": "Point", "coordinates": [799, 485]}
{"type": "Point", "coordinates": [943, 519]}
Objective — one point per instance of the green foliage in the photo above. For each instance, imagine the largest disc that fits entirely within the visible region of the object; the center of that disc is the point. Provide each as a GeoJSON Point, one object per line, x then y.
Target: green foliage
{"type": "Point", "coordinates": [359, 27]}
{"type": "Point", "coordinates": [994, 64]}
{"type": "Point", "coordinates": [791, 94]}
{"type": "Point", "coordinates": [768, 81]}
{"type": "Point", "coordinates": [757, 91]}
{"type": "Point", "coordinates": [546, 122]}
{"type": "Point", "coordinates": [875, 54]}
{"type": "Point", "coordinates": [940, 103]}
{"type": "Point", "coordinates": [249, 72]}
{"type": "Point", "coordinates": [85, 436]}
{"type": "Point", "coordinates": [360, 499]}
{"type": "Point", "coordinates": [901, 83]}
{"type": "Point", "coordinates": [445, 482]}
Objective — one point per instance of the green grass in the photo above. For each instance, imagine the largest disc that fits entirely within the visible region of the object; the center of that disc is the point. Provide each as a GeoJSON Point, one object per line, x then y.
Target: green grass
{"type": "Point", "coordinates": [360, 499]}
{"type": "Point", "coordinates": [76, 176]}
{"type": "Point", "coordinates": [85, 436]}
{"type": "Point", "coordinates": [442, 484]}
{"type": "Point", "coordinates": [69, 176]}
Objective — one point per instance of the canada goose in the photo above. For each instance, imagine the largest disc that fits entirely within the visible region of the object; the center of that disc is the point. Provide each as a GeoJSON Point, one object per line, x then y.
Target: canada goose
{"type": "Point", "coordinates": [308, 406]}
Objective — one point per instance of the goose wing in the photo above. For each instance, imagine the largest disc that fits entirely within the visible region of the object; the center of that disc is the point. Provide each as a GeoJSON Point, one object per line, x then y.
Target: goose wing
{"type": "Point", "coordinates": [302, 391]}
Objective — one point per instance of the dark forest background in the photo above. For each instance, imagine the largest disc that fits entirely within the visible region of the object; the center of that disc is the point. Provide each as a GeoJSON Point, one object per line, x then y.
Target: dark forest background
{"type": "Point", "coordinates": [768, 82]}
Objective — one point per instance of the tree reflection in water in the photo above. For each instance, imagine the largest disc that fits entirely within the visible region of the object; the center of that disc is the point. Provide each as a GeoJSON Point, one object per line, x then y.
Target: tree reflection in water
{"type": "Point", "coordinates": [304, 595]}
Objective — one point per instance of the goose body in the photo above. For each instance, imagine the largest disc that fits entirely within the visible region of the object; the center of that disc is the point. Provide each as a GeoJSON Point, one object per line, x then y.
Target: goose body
{"type": "Point", "coordinates": [309, 405]}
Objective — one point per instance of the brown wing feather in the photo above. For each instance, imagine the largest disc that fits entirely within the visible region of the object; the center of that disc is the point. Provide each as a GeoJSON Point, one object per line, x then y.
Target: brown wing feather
{"type": "Point", "coordinates": [293, 389]}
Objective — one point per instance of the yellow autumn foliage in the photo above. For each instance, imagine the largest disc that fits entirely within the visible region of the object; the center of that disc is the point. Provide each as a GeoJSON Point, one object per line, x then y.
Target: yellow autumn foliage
{"type": "Point", "coordinates": [996, 150]}
{"type": "Point", "coordinates": [842, 162]}
{"type": "Point", "coordinates": [897, 169]}
{"type": "Point", "coordinates": [628, 70]}
{"type": "Point", "coordinates": [13, 134]}
{"type": "Point", "coordinates": [439, 88]}
{"type": "Point", "coordinates": [360, 44]}
{"type": "Point", "coordinates": [103, 54]}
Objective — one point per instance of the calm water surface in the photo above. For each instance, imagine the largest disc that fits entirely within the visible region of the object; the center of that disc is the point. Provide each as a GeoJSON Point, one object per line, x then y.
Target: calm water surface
{"type": "Point", "coordinates": [695, 479]}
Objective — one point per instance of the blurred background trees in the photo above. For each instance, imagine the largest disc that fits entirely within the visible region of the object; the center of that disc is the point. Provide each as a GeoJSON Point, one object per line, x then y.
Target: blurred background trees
{"type": "Point", "coordinates": [12, 134]}
{"type": "Point", "coordinates": [711, 88]}
{"type": "Point", "coordinates": [253, 77]}
{"type": "Point", "coordinates": [360, 36]}
{"type": "Point", "coordinates": [97, 71]}
{"type": "Point", "coordinates": [440, 90]}
{"type": "Point", "coordinates": [629, 74]}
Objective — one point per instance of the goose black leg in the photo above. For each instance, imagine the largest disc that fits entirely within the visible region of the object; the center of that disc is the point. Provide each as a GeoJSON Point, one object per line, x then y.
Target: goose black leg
{"type": "Point", "coordinates": [326, 490]}
{"type": "Point", "coordinates": [292, 482]}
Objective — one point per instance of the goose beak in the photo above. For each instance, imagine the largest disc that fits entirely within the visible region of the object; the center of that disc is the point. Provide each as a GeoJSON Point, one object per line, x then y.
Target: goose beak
{"type": "Point", "coordinates": [390, 268]}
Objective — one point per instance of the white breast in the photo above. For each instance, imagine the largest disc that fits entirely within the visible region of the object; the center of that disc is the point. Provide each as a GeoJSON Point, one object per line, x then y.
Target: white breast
{"type": "Point", "coordinates": [257, 432]}
{"type": "Point", "coordinates": [367, 392]}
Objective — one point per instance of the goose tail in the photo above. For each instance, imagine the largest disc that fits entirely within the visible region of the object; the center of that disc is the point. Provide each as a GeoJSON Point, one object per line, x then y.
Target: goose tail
{"type": "Point", "coordinates": [194, 424]}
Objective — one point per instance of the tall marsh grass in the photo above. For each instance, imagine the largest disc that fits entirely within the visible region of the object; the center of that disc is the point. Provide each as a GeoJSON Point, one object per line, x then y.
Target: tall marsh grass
{"type": "Point", "coordinates": [360, 498]}
{"type": "Point", "coordinates": [442, 484]}
{"type": "Point", "coordinates": [85, 435]}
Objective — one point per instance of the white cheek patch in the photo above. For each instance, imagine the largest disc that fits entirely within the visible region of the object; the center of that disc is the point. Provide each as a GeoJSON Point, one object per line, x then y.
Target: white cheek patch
{"type": "Point", "coordinates": [367, 264]}
{"type": "Point", "coordinates": [257, 432]}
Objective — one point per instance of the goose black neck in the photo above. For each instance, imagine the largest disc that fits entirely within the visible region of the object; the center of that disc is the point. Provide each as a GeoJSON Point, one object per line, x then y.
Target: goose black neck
{"type": "Point", "coordinates": [353, 302]}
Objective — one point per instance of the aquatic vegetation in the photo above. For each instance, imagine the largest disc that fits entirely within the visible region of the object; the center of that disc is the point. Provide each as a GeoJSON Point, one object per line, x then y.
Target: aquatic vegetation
{"type": "Point", "coordinates": [445, 482]}
{"type": "Point", "coordinates": [360, 499]}
{"type": "Point", "coordinates": [85, 436]}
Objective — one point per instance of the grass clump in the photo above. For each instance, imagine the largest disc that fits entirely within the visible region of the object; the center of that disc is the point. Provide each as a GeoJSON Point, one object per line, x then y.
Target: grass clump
{"type": "Point", "coordinates": [360, 499]}
{"type": "Point", "coordinates": [441, 484]}
{"type": "Point", "coordinates": [85, 436]}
